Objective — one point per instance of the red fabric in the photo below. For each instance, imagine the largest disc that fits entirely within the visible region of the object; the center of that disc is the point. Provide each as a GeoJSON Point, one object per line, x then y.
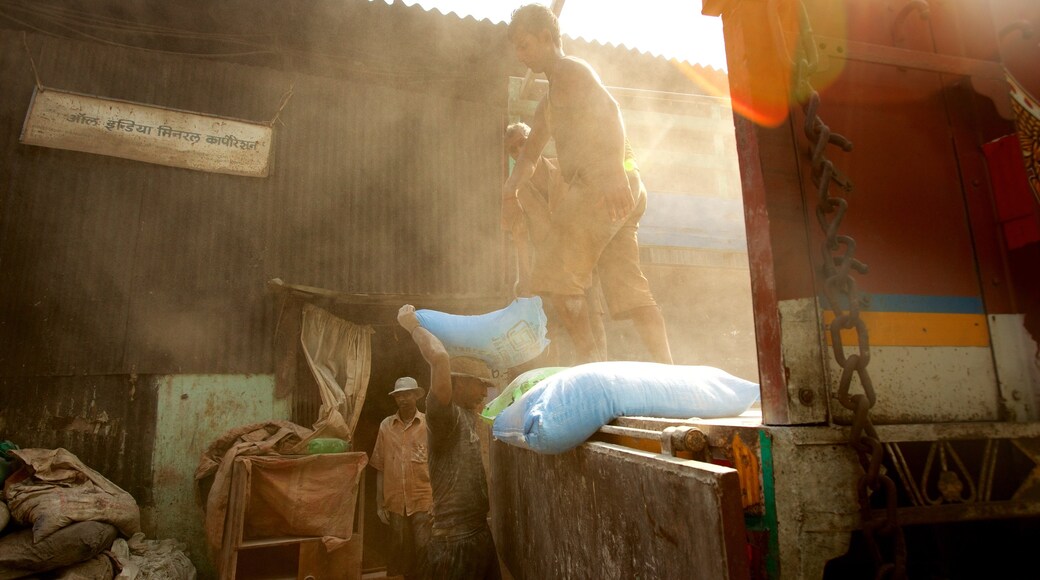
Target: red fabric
{"type": "Point", "coordinates": [1016, 207]}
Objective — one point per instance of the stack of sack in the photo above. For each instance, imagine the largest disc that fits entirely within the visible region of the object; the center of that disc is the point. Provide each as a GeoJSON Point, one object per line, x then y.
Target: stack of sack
{"type": "Point", "coordinates": [68, 521]}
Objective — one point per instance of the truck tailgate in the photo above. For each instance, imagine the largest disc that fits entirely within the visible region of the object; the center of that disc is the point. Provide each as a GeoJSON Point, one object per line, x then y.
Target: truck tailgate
{"type": "Point", "coordinates": [606, 511]}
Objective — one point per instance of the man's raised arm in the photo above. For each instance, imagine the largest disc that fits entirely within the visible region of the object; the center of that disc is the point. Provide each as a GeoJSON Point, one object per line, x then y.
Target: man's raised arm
{"type": "Point", "coordinates": [433, 351]}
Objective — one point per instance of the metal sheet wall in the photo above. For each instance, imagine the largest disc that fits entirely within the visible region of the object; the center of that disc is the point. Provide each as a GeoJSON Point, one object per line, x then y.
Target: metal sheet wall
{"type": "Point", "coordinates": [115, 266]}
{"type": "Point", "coordinates": [106, 421]}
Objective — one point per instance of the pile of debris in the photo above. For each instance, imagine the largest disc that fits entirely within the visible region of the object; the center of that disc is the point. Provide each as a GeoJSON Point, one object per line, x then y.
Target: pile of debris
{"type": "Point", "coordinates": [61, 519]}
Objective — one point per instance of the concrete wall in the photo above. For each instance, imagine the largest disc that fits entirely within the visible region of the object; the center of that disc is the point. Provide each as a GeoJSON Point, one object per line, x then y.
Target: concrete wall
{"type": "Point", "coordinates": [192, 412]}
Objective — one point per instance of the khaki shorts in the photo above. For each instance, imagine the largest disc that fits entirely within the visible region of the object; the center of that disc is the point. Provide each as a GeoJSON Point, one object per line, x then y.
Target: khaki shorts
{"type": "Point", "coordinates": [583, 239]}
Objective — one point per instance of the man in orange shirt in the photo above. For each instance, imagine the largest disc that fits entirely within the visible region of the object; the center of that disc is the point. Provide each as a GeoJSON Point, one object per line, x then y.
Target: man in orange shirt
{"type": "Point", "coordinates": [403, 493]}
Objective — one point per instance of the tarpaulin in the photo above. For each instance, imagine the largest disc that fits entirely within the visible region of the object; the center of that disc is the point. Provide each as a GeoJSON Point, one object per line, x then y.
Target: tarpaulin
{"type": "Point", "coordinates": [273, 437]}
{"type": "Point", "coordinates": [311, 495]}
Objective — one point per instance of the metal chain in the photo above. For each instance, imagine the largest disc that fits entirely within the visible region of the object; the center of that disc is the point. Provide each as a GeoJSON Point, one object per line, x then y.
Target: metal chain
{"type": "Point", "coordinates": [838, 254]}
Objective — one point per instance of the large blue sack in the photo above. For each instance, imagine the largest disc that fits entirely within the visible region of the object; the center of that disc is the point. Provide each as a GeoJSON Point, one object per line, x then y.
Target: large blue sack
{"type": "Point", "coordinates": [565, 409]}
{"type": "Point", "coordinates": [503, 339]}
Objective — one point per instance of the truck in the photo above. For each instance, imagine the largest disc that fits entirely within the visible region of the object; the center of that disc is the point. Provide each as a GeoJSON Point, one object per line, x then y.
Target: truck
{"type": "Point", "coordinates": [895, 299]}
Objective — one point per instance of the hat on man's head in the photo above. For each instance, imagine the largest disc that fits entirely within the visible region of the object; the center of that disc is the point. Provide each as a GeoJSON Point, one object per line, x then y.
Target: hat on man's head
{"type": "Point", "coordinates": [467, 366]}
{"type": "Point", "coordinates": [405, 384]}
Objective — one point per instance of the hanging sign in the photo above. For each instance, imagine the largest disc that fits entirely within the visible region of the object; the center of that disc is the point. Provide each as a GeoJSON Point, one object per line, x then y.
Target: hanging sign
{"type": "Point", "coordinates": [64, 120]}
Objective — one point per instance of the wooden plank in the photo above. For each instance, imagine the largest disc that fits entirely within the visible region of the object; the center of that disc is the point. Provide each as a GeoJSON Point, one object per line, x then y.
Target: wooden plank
{"type": "Point", "coordinates": [282, 541]}
{"type": "Point", "coordinates": [342, 563]}
{"type": "Point", "coordinates": [234, 520]}
{"type": "Point", "coordinates": [605, 511]}
{"type": "Point", "coordinates": [909, 59]}
{"type": "Point", "coordinates": [457, 300]}
{"type": "Point", "coordinates": [287, 346]}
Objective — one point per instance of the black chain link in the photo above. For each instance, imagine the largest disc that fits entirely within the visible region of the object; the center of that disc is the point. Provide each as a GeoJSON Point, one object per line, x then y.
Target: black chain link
{"type": "Point", "coordinates": [838, 254]}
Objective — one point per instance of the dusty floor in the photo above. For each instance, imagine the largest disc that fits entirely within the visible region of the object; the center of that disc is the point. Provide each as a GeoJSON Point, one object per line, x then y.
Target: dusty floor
{"type": "Point", "coordinates": [381, 574]}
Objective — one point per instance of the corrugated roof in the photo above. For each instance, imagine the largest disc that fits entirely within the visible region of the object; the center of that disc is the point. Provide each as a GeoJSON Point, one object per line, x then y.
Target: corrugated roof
{"type": "Point", "coordinates": [337, 38]}
{"type": "Point", "coordinates": [604, 53]}
{"type": "Point", "coordinates": [568, 38]}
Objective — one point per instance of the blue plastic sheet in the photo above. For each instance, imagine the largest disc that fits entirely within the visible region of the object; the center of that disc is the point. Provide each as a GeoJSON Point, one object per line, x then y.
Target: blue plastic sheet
{"type": "Point", "coordinates": [565, 409]}
{"type": "Point", "coordinates": [503, 339]}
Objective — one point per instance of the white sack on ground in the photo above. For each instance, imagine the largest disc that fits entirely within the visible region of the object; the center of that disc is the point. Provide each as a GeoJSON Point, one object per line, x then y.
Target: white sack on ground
{"type": "Point", "coordinates": [143, 559]}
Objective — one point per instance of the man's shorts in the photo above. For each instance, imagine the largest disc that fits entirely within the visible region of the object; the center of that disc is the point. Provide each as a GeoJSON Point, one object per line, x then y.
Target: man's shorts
{"type": "Point", "coordinates": [470, 556]}
{"type": "Point", "coordinates": [582, 239]}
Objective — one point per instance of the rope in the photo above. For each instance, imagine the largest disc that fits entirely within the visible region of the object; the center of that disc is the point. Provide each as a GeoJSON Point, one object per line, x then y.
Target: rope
{"type": "Point", "coordinates": [32, 62]}
{"type": "Point", "coordinates": [285, 101]}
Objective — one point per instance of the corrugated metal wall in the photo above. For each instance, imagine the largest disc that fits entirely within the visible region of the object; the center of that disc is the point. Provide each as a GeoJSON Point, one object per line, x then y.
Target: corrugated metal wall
{"type": "Point", "coordinates": [107, 421]}
{"type": "Point", "coordinates": [116, 266]}
{"type": "Point", "coordinates": [386, 168]}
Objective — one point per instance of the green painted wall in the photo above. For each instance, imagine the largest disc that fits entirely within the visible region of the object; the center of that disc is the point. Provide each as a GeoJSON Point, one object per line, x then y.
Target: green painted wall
{"type": "Point", "coordinates": [192, 412]}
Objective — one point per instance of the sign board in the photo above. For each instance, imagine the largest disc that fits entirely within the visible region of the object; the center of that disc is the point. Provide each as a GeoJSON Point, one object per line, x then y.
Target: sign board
{"type": "Point", "coordinates": [64, 120]}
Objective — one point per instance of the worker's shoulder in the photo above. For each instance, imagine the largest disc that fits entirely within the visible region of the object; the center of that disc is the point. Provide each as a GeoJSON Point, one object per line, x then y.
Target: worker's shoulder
{"type": "Point", "coordinates": [574, 76]}
{"type": "Point", "coordinates": [385, 423]}
{"type": "Point", "coordinates": [572, 66]}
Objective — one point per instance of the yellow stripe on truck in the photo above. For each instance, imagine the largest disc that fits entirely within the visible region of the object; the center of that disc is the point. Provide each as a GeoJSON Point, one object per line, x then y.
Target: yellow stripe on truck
{"type": "Point", "coordinates": [917, 329]}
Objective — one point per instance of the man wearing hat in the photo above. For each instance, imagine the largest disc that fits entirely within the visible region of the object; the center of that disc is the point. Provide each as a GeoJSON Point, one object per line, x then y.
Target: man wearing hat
{"type": "Point", "coordinates": [403, 493]}
{"type": "Point", "coordinates": [461, 547]}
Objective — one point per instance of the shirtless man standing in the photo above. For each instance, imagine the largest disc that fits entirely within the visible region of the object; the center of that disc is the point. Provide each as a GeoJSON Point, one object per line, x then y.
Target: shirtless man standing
{"type": "Point", "coordinates": [595, 225]}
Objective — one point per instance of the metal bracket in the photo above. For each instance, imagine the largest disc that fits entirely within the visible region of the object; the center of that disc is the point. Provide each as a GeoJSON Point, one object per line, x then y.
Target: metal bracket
{"type": "Point", "coordinates": [922, 8]}
{"type": "Point", "coordinates": [684, 438]}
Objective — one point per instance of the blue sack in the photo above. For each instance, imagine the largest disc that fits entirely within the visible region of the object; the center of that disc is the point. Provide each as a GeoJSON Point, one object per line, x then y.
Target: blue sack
{"type": "Point", "coordinates": [503, 339]}
{"type": "Point", "coordinates": [565, 409]}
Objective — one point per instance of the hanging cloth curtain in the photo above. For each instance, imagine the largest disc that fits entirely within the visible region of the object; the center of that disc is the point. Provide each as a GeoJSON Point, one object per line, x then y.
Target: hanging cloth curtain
{"type": "Point", "coordinates": [339, 354]}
